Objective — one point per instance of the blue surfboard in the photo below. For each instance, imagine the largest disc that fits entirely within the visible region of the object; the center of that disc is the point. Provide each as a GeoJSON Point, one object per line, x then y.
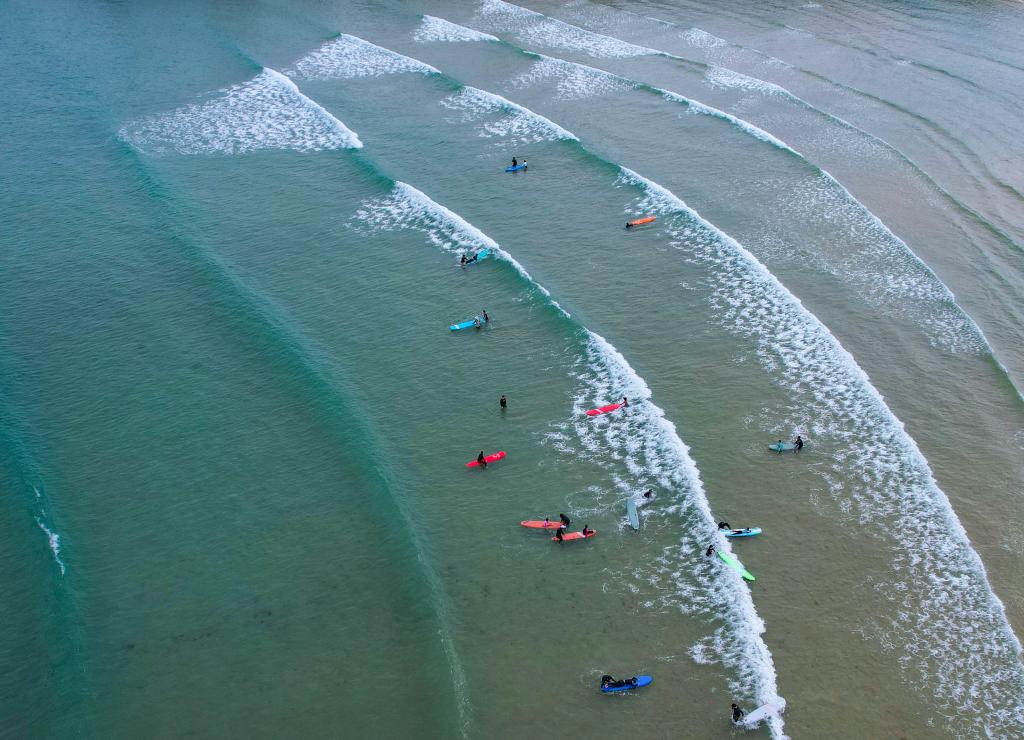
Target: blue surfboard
{"type": "Point", "coordinates": [640, 682]}
{"type": "Point", "coordinates": [516, 168]}
{"type": "Point", "coordinates": [745, 532]}
{"type": "Point", "coordinates": [631, 512]}
{"type": "Point", "coordinates": [465, 324]}
{"type": "Point", "coordinates": [481, 255]}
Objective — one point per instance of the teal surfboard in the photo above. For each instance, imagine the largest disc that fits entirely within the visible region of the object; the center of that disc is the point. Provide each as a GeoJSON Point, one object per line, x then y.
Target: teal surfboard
{"type": "Point", "coordinates": [735, 565]}
{"type": "Point", "coordinates": [634, 517]}
{"type": "Point", "coordinates": [782, 447]}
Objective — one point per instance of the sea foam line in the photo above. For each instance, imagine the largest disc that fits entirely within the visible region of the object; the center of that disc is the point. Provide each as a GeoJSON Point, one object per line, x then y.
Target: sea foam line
{"type": "Point", "coordinates": [432, 29]}
{"type": "Point", "coordinates": [953, 617]}
{"type": "Point", "coordinates": [741, 645]}
{"type": "Point", "coordinates": [266, 112]}
{"type": "Point", "coordinates": [350, 56]}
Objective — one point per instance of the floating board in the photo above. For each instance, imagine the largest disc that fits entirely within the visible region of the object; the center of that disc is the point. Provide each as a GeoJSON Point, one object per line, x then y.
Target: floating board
{"type": "Point", "coordinates": [746, 532]}
{"type": "Point", "coordinates": [604, 409]}
{"type": "Point", "coordinates": [640, 682]}
{"type": "Point", "coordinates": [575, 536]}
{"type": "Point", "coordinates": [489, 458]}
{"type": "Point", "coordinates": [537, 524]}
{"type": "Point", "coordinates": [735, 565]}
{"type": "Point", "coordinates": [782, 447]}
{"type": "Point", "coordinates": [516, 168]}
{"type": "Point", "coordinates": [481, 255]}
{"type": "Point", "coordinates": [761, 713]}
{"type": "Point", "coordinates": [466, 324]}
{"type": "Point", "coordinates": [640, 221]}
{"type": "Point", "coordinates": [634, 517]}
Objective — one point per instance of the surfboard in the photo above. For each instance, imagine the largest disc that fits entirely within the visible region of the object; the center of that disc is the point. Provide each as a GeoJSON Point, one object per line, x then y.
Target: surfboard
{"type": "Point", "coordinates": [481, 255]}
{"type": "Point", "coordinates": [640, 221]}
{"type": "Point", "coordinates": [604, 409]}
{"type": "Point", "coordinates": [465, 324]}
{"type": "Point", "coordinates": [641, 681]}
{"type": "Point", "coordinates": [782, 447]}
{"type": "Point", "coordinates": [575, 536]}
{"type": "Point", "coordinates": [516, 168]}
{"type": "Point", "coordinates": [735, 565]}
{"type": "Point", "coordinates": [746, 532]}
{"type": "Point", "coordinates": [538, 524]}
{"type": "Point", "coordinates": [631, 512]}
{"type": "Point", "coordinates": [489, 458]}
{"type": "Point", "coordinates": [761, 713]}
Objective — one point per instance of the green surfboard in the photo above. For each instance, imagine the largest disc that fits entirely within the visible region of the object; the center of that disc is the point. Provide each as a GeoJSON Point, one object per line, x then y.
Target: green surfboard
{"type": "Point", "coordinates": [735, 565]}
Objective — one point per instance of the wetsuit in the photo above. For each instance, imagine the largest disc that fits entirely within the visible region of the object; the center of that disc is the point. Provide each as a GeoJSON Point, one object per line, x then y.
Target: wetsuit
{"type": "Point", "coordinates": [503, 402]}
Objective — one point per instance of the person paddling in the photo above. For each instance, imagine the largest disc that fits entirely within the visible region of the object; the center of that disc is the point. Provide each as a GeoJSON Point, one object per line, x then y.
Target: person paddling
{"type": "Point", "coordinates": [481, 460]}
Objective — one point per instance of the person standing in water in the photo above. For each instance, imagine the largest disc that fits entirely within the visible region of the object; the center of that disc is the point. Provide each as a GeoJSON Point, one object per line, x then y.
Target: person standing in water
{"type": "Point", "coordinates": [798, 443]}
{"type": "Point", "coordinates": [566, 521]}
{"type": "Point", "coordinates": [625, 402]}
{"type": "Point", "coordinates": [649, 493]}
{"type": "Point", "coordinates": [737, 713]}
{"type": "Point", "coordinates": [503, 402]}
{"type": "Point", "coordinates": [480, 459]}
{"type": "Point", "coordinates": [558, 534]}
{"type": "Point", "coordinates": [487, 319]}
{"type": "Point", "coordinates": [514, 162]}
{"type": "Point", "coordinates": [710, 551]}
{"type": "Point", "coordinates": [778, 448]}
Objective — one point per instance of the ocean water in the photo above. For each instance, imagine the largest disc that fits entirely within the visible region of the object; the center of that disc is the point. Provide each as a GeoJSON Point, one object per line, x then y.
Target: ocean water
{"type": "Point", "coordinates": [234, 420]}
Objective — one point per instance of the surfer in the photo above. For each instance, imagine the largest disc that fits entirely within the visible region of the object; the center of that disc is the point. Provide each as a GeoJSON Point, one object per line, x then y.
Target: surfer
{"type": "Point", "coordinates": [547, 522]}
{"type": "Point", "coordinates": [487, 319]}
{"type": "Point", "coordinates": [724, 525]}
{"type": "Point", "coordinates": [481, 460]}
{"type": "Point", "coordinates": [625, 402]}
{"type": "Point", "coordinates": [798, 443]}
{"type": "Point", "coordinates": [464, 261]}
{"type": "Point", "coordinates": [514, 162]}
{"type": "Point", "coordinates": [558, 534]}
{"type": "Point", "coordinates": [778, 448]}
{"type": "Point", "coordinates": [737, 713]}
{"type": "Point", "coordinates": [476, 322]}
{"type": "Point", "coordinates": [503, 402]}
{"type": "Point", "coordinates": [586, 530]}
{"type": "Point", "coordinates": [710, 551]}
{"type": "Point", "coordinates": [566, 521]}
{"type": "Point", "coordinates": [648, 493]}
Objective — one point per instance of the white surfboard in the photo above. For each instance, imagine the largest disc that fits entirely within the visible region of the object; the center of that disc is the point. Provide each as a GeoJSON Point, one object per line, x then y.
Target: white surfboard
{"type": "Point", "coordinates": [753, 719]}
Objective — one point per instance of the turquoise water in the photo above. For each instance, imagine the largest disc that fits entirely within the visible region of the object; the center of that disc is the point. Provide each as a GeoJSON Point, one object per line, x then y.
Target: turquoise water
{"type": "Point", "coordinates": [235, 421]}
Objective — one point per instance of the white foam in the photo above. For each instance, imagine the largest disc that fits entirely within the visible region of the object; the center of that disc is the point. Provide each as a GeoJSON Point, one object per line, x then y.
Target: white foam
{"type": "Point", "coordinates": [54, 541]}
{"type": "Point", "coordinates": [724, 78]}
{"type": "Point", "coordinates": [544, 31]}
{"type": "Point", "coordinates": [267, 112]}
{"type": "Point", "coordinates": [575, 81]}
{"type": "Point", "coordinates": [642, 439]}
{"type": "Point", "coordinates": [350, 56]}
{"type": "Point", "coordinates": [519, 124]}
{"type": "Point", "coordinates": [433, 29]}
{"type": "Point", "coordinates": [702, 39]}
{"type": "Point", "coordinates": [949, 626]}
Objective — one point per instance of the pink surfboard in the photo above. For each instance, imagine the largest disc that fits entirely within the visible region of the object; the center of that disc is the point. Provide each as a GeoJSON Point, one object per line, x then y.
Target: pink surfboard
{"type": "Point", "coordinates": [604, 409]}
{"type": "Point", "coordinates": [537, 524]}
{"type": "Point", "coordinates": [489, 458]}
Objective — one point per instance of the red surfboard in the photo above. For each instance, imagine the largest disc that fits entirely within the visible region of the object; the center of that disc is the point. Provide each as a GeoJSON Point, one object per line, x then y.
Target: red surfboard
{"type": "Point", "coordinates": [536, 524]}
{"type": "Point", "coordinates": [641, 221]}
{"type": "Point", "coordinates": [604, 409]}
{"type": "Point", "coordinates": [575, 535]}
{"type": "Point", "coordinates": [489, 458]}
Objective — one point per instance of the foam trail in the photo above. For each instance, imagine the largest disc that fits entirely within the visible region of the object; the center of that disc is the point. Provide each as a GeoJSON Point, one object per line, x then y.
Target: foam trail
{"type": "Point", "coordinates": [953, 617]}
{"type": "Point", "coordinates": [521, 124]}
{"type": "Point", "coordinates": [661, 454]}
{"type": "Point", "coordinates": [267, 112]}
{"type": "Point", "coordinates": [350, 56]}
{"type": "Point", "coordinates": [54, 541]}
{"type": "Point", "coordinates": [438, 29]}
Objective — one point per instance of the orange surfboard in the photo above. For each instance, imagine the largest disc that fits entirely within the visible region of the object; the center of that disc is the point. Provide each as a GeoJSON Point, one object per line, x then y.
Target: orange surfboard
{"type": "Point", "coordinates": [641, 221]}
{"type": "Point", "coordinates": [575, 535]}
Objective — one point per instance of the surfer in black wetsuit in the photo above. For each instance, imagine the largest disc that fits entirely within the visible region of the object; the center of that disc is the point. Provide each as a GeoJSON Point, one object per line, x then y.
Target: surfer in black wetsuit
{"type": "Point", "coordinates": [724, 525]}
{"type": "Point", "coordinates": [464, 260]}
{"type": "Point", "coordinates": [480, 459]}
{"type": "Point", "coordinates": [586, 530]}
{"type": "Point", "coordinates": [737, 713]}
{"type": "Point", "coordinates": [625, 402]}
{"type": "Point", "coordinates": [487, 319]}
{"type": "Point", "coordinates": [648, 493]}
{"type": "Point", "coordinates": [710, 551]}
{"type": "Point", "coordinates": [798, 443]}
{"type": "Point", "coordinates": [558, 534]}
{"type": "Point", "coordinates": [566, 521]}
{"type": "Point", "coordinates": [514, 162]}
{"type": "Point", "coordinates": [503, 402]}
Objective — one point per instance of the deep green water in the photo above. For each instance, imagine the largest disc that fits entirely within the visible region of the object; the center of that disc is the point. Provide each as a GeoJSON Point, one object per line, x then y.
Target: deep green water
{"type": "Point", "coordinates": [234, 422]}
